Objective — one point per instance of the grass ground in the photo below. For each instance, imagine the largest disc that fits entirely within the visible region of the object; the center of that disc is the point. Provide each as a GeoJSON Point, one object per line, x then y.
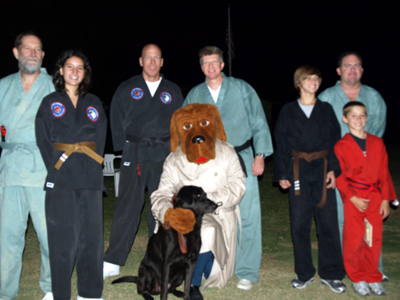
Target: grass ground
{"type": "Point", "coordinates": [277, 264]}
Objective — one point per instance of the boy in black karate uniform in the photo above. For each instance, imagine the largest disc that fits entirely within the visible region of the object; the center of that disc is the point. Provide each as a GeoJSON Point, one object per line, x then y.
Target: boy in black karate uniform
{"type": "Point", "coordinates": [305, 133]}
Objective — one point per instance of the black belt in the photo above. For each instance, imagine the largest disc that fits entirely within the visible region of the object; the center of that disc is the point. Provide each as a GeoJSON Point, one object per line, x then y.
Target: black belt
{"type": "Point", "coordinates": [361, 185]}
{"type": "Point", "coordinates": [246, 145]}
{"type": "Point", "coordinates": [138, 141]}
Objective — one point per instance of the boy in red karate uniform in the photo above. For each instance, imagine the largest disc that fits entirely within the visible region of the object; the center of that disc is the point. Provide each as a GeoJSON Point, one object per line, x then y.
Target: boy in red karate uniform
{"type": "Point", "coordinates": [366, 188]}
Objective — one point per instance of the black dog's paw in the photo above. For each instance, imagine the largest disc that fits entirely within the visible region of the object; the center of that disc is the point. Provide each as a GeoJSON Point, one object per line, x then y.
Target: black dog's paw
{"type": "Point", "coordinates": [147, 296]}
{"type": "Point", "coordinates": [177, 293]}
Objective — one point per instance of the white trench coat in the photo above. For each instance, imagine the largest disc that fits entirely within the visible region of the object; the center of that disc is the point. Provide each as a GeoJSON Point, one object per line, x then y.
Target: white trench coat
{"type": "Point", "coordinates": [223, 180]}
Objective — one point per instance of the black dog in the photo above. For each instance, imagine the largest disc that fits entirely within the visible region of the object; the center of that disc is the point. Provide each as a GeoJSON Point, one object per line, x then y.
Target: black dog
{"type": "Point", "coordinates": [164, 266]}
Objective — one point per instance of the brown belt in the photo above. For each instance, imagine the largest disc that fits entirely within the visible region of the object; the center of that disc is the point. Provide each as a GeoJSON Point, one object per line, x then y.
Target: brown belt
{"type": "Point", "coordinates": [309, 157]}
{"type": "Point", "coordinates": [82, 147]}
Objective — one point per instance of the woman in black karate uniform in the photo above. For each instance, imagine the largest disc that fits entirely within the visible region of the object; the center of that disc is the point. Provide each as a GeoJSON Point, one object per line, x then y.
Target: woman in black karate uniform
{"type": "Point", "coordinates": [71, 133]}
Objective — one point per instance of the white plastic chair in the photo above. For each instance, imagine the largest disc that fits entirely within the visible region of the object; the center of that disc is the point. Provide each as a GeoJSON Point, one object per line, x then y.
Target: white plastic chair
{"type": "Point", "coordinates": [109, 170]}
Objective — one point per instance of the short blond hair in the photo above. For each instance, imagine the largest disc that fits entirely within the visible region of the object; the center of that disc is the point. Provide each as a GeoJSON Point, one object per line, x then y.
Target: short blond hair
{"type": "Point", "coordinates": [349, 105]}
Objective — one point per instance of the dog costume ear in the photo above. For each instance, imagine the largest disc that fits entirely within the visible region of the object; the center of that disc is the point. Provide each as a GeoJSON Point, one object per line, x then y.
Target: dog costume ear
{"type": "Point", "coordinates": [219, 127]}
{"type": "Point", "coordinates": [174, 139]}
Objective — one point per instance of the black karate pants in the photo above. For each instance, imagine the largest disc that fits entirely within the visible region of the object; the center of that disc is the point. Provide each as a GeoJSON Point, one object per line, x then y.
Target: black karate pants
{"type": "Point", "coordinates": [302, 208]}
{"type": "Point", "coordinates": [75, 233]}
{"type": "Point", "coordinates": [129, 206]}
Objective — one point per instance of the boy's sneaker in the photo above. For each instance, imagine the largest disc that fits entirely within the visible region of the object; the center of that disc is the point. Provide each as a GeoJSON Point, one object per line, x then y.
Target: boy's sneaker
{"type": "Point", "coordinates": [298, 284]}
{"type": "Point", "coordinates": [385, 278]}
{"type": "Point", "coordinates": [377, 289]}
{"type": "Point", "coordinates": [335, 285]}
{"type": "Point", "coordinates": [361, 288]}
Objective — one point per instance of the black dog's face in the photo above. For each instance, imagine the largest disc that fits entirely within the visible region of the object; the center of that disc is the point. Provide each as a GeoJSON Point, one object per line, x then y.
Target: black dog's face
{"type": "Point", "coordinates": [194, 198]}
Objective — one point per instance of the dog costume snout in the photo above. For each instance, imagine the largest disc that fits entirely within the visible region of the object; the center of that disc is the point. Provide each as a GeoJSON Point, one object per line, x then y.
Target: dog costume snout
{"type": "Point", "coordinates": [196, 127]}
{"type": "Point", "coordinates": [198, 139]}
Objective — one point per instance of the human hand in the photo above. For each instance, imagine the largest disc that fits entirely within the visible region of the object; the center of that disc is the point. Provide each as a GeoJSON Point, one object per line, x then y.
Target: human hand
{"type": "Point", "coordinates": [384, 209]}
{"type": "Point", "coordinates": [360, 203]}
{"type": "Point", "coordinates": [258, 166]}
{"type": "Point", "coordinates": [285, 184]}
{"type": "Point", "coordinates": [330, 176]}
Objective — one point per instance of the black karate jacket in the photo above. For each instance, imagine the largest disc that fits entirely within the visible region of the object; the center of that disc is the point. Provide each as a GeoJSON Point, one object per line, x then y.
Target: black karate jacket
{"type": "Point", "coordinates": [135, 113]}
{"type": "Point", "coordinates": [295, 131]}
{"type": "Point", "coordinates": [58, 121]}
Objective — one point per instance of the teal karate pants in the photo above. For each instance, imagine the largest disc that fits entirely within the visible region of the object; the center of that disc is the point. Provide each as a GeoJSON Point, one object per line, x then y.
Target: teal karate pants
{"type": "Point", "coordinates": [249, 248]}
{"type": "Point", "coordinates": [16, 203]}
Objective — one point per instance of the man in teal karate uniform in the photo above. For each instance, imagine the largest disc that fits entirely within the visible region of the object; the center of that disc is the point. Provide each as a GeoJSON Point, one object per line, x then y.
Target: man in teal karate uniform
{"type": "Point", "coordinates": [22, 171]}
{"type": "Point", "coordinates": [244, 119]}
{"type": "Point", "coordinates": [349, 88]}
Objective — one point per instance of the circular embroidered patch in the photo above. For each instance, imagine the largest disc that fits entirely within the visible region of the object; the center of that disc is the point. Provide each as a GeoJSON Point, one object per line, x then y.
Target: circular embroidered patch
{"type": "Point", "coordinates": [166, 98]}
{"type": "Point", "coordinates": [137, 93]}
{"type": "Point", "coordinates": [58, 109]}
{"type": "Point", "coordinates": [92, 113]}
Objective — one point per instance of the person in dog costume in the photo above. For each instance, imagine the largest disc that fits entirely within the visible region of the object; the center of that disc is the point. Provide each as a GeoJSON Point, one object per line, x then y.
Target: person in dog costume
{"type": "Point", "coordinates": [201, 157]}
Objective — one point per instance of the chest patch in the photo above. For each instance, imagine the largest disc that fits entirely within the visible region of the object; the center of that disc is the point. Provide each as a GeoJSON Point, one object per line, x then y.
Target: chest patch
{"type": "Point", "coordinates": [137, 93]}
{"type": "Point", "coordinates": [166, 98]}
{"type": "Point", "coordinates": [58, 109]}
{"type": "Point", "coordinates": [92, 113]}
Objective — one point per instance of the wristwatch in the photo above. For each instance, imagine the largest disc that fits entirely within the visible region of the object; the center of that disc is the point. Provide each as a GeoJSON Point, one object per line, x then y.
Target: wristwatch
{"type": "Point", "coordinates": [262, 155]}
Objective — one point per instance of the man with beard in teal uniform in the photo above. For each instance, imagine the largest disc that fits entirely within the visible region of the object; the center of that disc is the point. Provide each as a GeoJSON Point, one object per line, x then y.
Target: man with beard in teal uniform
{"type": "Point", "coordinates": [22, 171]}
{"type": "Point", "coordinates": [244, 120]}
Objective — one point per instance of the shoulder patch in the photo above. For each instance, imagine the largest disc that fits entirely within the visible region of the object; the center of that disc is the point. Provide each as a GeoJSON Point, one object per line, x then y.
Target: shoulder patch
{"type": "Point", "coordinates": [92, 113]}
{"type": "Point", "coordinates": [137, 93]}
{"type": "Point", "coordinates": [166, 98]}
{"type": "Point", "coordinates": [58, 109]}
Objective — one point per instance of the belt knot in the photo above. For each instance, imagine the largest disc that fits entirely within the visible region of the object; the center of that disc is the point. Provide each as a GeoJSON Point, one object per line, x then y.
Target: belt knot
{"type": "Point", "coordinates": [309, 157]}
{"type": "Point", "coordinates": [81, 147]}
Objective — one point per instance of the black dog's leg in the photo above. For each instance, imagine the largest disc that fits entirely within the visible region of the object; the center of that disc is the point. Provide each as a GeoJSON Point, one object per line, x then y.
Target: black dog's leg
{"type": "Point", "coordinates": [188, 277]}
{"type": "Point", "coordinates": [164, 280]}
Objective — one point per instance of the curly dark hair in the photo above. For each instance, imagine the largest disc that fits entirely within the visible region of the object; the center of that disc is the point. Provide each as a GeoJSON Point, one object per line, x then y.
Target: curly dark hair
{"type": "Point", "coordinates": [58, 79]}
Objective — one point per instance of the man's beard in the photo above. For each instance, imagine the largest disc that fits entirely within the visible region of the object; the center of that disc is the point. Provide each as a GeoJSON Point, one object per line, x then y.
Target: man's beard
{"type": "Point", "coordinates": [28, 67]}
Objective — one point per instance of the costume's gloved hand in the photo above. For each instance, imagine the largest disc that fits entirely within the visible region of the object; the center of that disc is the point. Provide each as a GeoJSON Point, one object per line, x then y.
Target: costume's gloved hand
{"type": "Point", "coordinates": [180, 219]}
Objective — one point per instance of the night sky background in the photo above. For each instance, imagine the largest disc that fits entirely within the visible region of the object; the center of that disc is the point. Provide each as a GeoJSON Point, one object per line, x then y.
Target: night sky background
{"type": "Point", "coordinates": [271, 40]}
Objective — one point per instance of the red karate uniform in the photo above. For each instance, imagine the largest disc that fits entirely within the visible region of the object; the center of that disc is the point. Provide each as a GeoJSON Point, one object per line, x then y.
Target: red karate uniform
{"type": "Point", "coordinates": [365, 176]}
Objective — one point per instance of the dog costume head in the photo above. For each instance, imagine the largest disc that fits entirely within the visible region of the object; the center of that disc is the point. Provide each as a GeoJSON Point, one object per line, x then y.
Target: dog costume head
{"type": "Point", "coordinates": [196, 127]}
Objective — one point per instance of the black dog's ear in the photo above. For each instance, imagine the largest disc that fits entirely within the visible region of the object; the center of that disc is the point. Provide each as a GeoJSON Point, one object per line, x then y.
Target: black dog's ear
{"type": "Point", "coordinates": [186, 193]}
{"type": "Point", "coordinates": [178, 202]}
